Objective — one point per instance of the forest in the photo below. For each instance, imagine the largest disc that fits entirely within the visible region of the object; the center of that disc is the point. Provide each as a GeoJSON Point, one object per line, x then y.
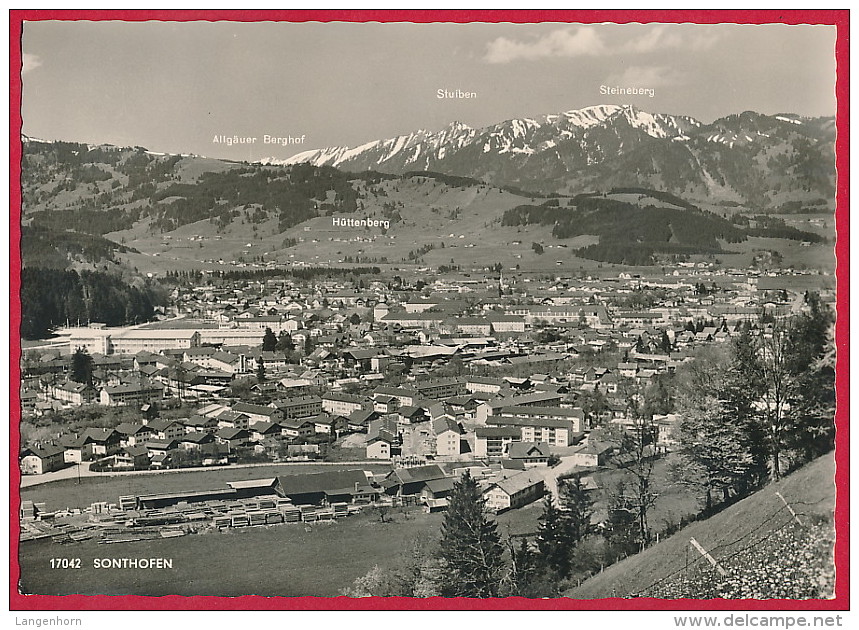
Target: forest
{"type": "Point", "coordinates": [633, 235]}
{"type": "Point", "coordinates": [293, 195]}
{"type": "Point", "coordinates": [52, 297]}
{"type": "Point", "coordinates": [54, 248]}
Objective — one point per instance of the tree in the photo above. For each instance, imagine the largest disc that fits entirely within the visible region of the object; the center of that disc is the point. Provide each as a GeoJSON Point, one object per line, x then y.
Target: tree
{"type": "Point", "coordinates": [593, 405]}
{"type": "Point", "coordinates": [355, 319]}
{"type": "Point", "coordinates": [553, 539]}
{"type": "Point", "coordinates": [637, 457]}
{"type": "Point", "coordinates": [665, 343]}
{"type": "Point", "coordinates": [538, 249]}
{"type": "Point", "coordinates": [577, 506]}
{"type": "Point", "coordinates": [470, 548]}
{"type": "Point", "coordinates": [721, 449]}
{"type": "Point", "coordinates": [82, 366]}
{"type": "Point", "coordinates": [284, 343]}
{"type": "Point", "coordinates": [783, 377]}
{"type": "Point", "coordinates": [528, 575]}
{"type": "Point", "coordinates": [621, 530]}
{"type": "Point", "coordinates": [269, 341]}
{"type": "Point", "coordinates": [260, 374]}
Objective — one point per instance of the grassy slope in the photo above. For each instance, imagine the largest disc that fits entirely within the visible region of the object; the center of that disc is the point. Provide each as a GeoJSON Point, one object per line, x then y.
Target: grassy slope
{"type": "Point", "coordinates": [811, 490]}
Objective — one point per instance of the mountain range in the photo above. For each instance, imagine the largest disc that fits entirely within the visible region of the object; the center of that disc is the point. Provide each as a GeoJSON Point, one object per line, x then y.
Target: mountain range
{"type": "Point", "coordinates": [748, 158]}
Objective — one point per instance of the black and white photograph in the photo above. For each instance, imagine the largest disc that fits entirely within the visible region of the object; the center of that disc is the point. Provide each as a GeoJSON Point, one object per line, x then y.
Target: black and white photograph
{"type": "Point", "coordinates": [457, 310]}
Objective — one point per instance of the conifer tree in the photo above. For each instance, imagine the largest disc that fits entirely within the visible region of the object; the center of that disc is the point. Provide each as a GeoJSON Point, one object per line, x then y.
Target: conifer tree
{"type": "Point", "coordinates": [471, 549]}
{"type": "Point", "coordinates": [554, 539]}
{"type": "Point", "coordinates": [269, 341]}
{"type": "Point", "coordinates": [82, 366]}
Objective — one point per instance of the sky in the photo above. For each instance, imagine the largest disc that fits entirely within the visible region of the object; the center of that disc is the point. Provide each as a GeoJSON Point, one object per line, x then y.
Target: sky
{"type": "Point", "coordinates": [173, 86]}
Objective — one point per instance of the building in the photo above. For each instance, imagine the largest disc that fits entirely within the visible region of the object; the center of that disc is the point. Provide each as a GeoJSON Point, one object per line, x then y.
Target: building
{"type": "Point", "coordinates": [299, 407]}
{"type": "Point", "coordinates": [555, 432]}
{"type": "Point", "coordinates": [412, 481]}
{"type": "Point", "coordinates": [448, 436]}
{"type": "Point", "coordinates": [575, 416]}
{"type": "Point", "coordinates": [528, 453]}
{"type": "Point", "coordinates": [133, 434]}
{"type": "Point", "coordinates": [515, 491]}
{"type": "Point", "coordinates": [491, 442]}
{"type": "Point", "coordinates": [316, 488]}
{"type": "Point", "coordinates": [136, 394]}
{"type": "Point", "coordinates": [437, 389]}
{"type": "Point", "coordinates": [591, 455]}
{"type": "Point", "coordinates": [132, 341]}
{"type": "Point", "coordinates": [344, 404]}
{"type": "Point", "coordinates": [39, 459]}
{"type": "Point", "coordinates": [72, 393]}
{"type": "Point", "coordinates": [254, 413]}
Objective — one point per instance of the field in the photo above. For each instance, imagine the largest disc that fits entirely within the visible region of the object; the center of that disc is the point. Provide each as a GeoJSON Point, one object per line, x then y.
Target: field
{"type": "Point", "coordinates": [285, 560]}
{"type": "Point", "coordinates": [70, 493]}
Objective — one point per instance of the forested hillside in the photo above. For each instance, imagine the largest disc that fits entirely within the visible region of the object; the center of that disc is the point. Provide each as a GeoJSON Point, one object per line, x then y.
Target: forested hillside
{"type": "Point", "coordinates": [51, 297]}
{"type": "Point", "coordinates": [636, 225]}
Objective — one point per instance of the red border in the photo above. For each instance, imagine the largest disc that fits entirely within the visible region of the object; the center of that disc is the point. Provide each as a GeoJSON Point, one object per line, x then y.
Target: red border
{"type": "Point", "coordinates": [838, 18]}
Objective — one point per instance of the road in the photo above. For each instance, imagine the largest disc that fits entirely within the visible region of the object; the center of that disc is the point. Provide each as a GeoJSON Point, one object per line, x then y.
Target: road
{"type": "Point", "coordinates": [551, 475]}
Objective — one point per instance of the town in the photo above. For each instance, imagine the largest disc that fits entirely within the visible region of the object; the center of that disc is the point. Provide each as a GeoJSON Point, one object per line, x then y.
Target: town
{"type": "Point", "coordinates": [513, 370]}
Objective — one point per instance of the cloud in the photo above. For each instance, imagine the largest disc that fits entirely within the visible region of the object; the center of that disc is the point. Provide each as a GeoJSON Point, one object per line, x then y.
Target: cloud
{"type": "Point", "coordinates": [587, 41]}
{"type": "Point", "coordinates": [29, 62]}
{"type": "Point", "coordinates": [663, 37]}
{"type": "Point", "coordinates": [559, 43]}
{"type": "Point", "coordinates": [645, 76]}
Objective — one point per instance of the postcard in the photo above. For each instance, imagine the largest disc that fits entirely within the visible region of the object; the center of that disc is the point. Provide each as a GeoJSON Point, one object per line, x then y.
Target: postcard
{"type": "Point", "coordinates": [429, 310]}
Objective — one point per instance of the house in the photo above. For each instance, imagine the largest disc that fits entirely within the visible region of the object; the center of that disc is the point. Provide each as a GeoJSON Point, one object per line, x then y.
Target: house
{"type": "Point", "coordinates": [529, 453]}
{"type": "Point", "coordinates": [195, 441]}
{"type": "Point", "coordinates": [262, 430]}
{"type": "Point", "coordinates": [383, 403]}
{"type": "Point", "coordinates": [360, 420]}
{"type": "Point", "coordinates": [39, 459]}
{"type": "Point", "coordinates": [257, 413]}
{"type": "Point", "coordinates": [411, 481]}
{"type": "Point", "coordinates": [383, 439]}
{"type": "Point", "coordinates": [515, 491]}
{"type": "Point", "coordinates": [100, 443]}
{"type": "Point", "coordinates": [233, 420]}
{"type": "Point", "coordinates": [437, 488]}
{"type": "Point", "coordinates": [592, 454]}
{"type": "Point", "coordinates": [206, 424]}
{"type": "Point", "coordinates": [383, 445]}
{"type": "Point", "coordinates": [233, 437]}
{"type": "Point", "coordinates": [132, 434]}
{"type": "Point", "coordinates": [161, 449]}
{"type": "Point", "coordinates": [448, 436]}
{"type": "Point", "coordinates": [215, 454]}
{"type": "Point", "coordinates": [298, 427]}
{"type": "Point", "coordinates": [410, 414]}
{"type": "Point", "coordinates": [166, 429]}
{"type": "Point", "coordinates": [330, 424]}
{"type": "Point", "coordinates": [137, 456]}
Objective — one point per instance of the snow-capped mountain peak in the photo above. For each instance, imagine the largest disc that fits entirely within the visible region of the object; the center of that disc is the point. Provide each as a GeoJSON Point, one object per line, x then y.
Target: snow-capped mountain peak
{"type": "Point", "coordinates": [573, 145]}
